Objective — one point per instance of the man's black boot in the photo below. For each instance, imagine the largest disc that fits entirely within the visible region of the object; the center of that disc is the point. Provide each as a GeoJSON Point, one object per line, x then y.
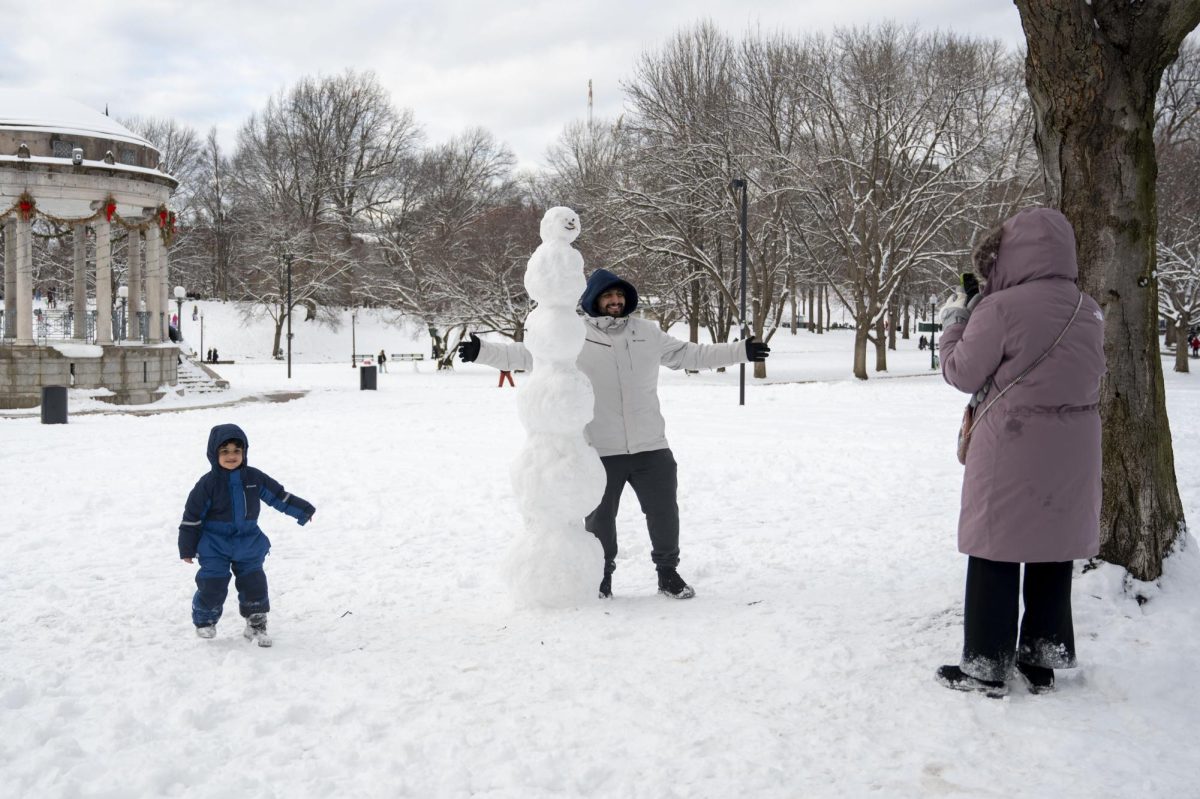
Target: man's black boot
{"type": "Point", "coordinates": [672, 585]}
{"type": "Point", "coordinates": [606, 584]}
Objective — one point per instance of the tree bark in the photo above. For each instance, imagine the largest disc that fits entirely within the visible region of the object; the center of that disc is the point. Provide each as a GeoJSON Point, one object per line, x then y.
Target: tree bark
{"type": "Point", "coordinates": [860, 351]}
{"type": "Point", "coordinates": [1092, 71]}
{"type": "Point", "coordinates": [880, 347]}
{"type": "Point", "coordinates": [820, 309]}
{"type": "Point", "coordinates": [1181, 349]}
{"type": "Point", "coordinates": [893, 315]}
{"type": "Point", "coordinates": [792, 297]}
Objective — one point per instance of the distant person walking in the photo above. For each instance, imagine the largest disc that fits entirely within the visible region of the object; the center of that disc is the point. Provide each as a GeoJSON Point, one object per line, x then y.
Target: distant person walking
{"type": "Point", "coordinates": [505, 375]}
{"type": "Point", "coordinates": [382, 359]}
{"type": "Point", "coordinates": [1031, 489]}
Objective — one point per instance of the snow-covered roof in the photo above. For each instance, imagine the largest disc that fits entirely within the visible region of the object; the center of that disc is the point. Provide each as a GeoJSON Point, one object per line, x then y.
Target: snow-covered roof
{"type": "Point", "coordinates": [25, 109]}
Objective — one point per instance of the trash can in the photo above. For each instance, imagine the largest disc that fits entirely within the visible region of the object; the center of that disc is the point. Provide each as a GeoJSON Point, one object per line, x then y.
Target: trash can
{"type": "Point", "coordinates": [366, 378]}
{"type": "Point", "coordinates": [54, 404]}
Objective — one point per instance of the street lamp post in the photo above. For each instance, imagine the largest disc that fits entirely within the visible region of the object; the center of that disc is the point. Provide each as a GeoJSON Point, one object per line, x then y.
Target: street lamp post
{"type": "Point", "coordinates": [353, 345]}
{"type": "Point", "coordinates": [933, 364]}
{"type": "Point", "coordinates": [289, 313]}
{"type": "Point", "coordinates": [736, 185]}
{"type": "Point", "coordinates": [203, 354]}
{"type": "Point", "coordinates": [180, 295]}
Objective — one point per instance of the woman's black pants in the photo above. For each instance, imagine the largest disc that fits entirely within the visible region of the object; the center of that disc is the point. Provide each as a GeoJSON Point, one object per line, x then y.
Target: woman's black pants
{"type": "Point", "coordinates": [991, 642]}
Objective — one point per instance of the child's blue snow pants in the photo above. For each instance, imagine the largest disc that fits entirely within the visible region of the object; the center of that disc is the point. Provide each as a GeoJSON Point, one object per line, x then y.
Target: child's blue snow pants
{"type": "Point", "coordinates": [218, 555]}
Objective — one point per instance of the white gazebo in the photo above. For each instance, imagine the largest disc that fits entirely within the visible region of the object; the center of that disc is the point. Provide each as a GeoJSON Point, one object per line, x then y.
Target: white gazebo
{"type": "Point", "coordinates": [65, 164]}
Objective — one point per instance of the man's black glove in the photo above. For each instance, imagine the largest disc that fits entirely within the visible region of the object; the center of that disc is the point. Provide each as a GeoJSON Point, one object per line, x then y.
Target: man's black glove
{"type": "Point", "coordinates": [468, 350]}
{"type": "Point", "coordinates": [756, 350]}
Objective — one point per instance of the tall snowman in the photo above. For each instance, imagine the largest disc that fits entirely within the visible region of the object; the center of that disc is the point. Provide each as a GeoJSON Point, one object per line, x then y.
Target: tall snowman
{"type": "Point", "coordinates": [558, 477]}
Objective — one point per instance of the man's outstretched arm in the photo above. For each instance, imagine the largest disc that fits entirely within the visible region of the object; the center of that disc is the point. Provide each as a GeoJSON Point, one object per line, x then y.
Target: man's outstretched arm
{"type": "Point", "coordinates": [678, 354]}
{"type": "Point", "coordinates": [508, 357]}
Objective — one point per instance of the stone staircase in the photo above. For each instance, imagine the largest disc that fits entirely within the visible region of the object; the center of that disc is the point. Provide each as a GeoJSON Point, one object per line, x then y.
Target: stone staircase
{"type": "Point", "coordinates": [197, 378]}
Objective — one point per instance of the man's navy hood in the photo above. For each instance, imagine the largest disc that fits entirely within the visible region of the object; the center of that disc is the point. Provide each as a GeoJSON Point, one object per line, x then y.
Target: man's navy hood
{"type": "Point", "coordinates": [219, 435]}
{"type": "Point", "coordinates": [601, 281]}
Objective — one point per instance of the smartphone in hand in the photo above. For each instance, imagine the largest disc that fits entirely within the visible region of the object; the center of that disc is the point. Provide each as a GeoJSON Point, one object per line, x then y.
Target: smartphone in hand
{"type": "Point", "coordinates": [970, 285]}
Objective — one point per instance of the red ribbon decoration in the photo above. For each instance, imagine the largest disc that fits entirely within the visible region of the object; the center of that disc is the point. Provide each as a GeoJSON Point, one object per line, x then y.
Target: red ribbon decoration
{"type": "Point", "coordinates": [25, 206]}
{"type": "Point", "coordinates": [110, 208]}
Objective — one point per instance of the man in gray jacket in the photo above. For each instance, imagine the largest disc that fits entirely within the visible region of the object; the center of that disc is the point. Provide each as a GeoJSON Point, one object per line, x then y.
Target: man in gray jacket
{"type": "Point", "coordinates": [621, 357]}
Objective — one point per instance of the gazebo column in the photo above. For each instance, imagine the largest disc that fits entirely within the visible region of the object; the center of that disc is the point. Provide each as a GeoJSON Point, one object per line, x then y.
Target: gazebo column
{"type": "Point", "coordinates": [134, 284]}
{"type": "Point", "coordinates": [104, 328]}
{"type": "Point", "coordinates": [165, 287]}
{"type": "Point", "coordinates": [10, 278]}
{"type": "Point", "coordinates": [24, 287]}
{"type": "Point", "coordinates": [79, 300]}
{"type": "Point", "coordinates": [153, 290]}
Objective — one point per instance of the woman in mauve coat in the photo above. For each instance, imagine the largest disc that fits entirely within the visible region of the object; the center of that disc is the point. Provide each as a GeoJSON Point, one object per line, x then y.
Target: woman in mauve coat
{"type": "Point", "coordinates": [1031, 490]}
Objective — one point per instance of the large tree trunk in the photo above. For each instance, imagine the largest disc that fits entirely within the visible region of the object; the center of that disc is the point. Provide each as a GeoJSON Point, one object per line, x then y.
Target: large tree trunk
{"type": "Point", "coordinates": [792, 297]}
{"type": "Point", "coordinates": [861, 334]}
{"type": "Point", "coordinates": [1093, 72]}
{"type": "Point", "coordinates": [880, 347]}
{"type": "Point", "coordinates": [893, 315]}
{"type": "Point", "coordinates": [1181, 349]}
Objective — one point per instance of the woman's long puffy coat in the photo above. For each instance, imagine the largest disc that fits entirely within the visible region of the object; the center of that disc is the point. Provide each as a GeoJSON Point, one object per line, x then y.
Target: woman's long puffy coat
{"type": "Point", "coordinates": [1031, 491]}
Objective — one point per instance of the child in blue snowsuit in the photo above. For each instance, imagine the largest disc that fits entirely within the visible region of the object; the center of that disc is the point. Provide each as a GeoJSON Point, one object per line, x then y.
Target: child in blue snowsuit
{"type": "Point", "coordinates": [220, 527]}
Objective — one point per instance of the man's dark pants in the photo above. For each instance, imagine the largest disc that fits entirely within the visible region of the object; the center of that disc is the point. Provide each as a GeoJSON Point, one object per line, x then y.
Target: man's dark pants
{"type": "Point", "coordinates": [653, 476]}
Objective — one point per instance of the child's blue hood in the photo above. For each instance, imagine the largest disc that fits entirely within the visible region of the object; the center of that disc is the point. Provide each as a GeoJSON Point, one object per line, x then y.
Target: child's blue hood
{"type": "Point", "coordinates": [601, 281]}
{"type": "Point", "coordinates": [219, 435]}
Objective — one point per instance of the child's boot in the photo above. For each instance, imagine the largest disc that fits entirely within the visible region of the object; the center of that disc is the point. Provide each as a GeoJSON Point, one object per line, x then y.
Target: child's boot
{"type": "Point", "coordinates": [256, 629]}
{"type": "Point", "coordinates": [207, 631]}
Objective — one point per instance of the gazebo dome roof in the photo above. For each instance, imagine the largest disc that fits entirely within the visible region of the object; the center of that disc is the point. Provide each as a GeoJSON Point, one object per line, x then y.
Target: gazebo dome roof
{"type": "Point", "coordinates": [24, 109]}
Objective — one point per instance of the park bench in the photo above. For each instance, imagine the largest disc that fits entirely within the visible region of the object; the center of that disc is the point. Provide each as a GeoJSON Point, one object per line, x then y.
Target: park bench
{"type": "Point", "coordinates": [411, 357]}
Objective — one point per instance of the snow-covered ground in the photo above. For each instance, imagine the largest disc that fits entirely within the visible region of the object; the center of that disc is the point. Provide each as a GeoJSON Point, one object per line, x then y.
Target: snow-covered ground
{"type": "Point", "coordinates": [818, 530]}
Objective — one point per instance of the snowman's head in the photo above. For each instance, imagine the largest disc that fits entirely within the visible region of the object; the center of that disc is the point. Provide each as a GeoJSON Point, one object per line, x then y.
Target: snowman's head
{"type": "Point", "coordinates": [560, 224]}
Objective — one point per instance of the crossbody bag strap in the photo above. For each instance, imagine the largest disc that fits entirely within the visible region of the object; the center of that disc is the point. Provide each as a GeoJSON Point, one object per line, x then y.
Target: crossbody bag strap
{"type": "Point", "coordinates": [1021, 376]}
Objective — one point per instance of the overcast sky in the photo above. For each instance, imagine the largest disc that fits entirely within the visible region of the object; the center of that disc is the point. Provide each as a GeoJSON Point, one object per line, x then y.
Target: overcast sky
{"type": "Point", "coordinates": [518, 68]}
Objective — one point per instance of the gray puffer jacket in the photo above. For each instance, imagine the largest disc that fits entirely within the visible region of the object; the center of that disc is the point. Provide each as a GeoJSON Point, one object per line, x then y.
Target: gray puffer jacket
{"type": "Point", "coordinates": [621, 357]}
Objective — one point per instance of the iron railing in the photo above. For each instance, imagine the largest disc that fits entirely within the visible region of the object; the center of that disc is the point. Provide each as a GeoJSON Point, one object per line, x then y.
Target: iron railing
{"type": "Point", "coordinates": [55, 325]}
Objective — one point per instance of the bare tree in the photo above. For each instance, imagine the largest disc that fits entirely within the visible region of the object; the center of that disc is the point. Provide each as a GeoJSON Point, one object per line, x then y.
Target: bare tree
{"type": "Point", "coordinates": [675, 201]}
{"type": "Point", "coordinates": [430, 243]}
{"type": "Point", "coordinates": [912, 142]}
{"type": "Point", "coordinates": [1093, 72]}
{"type": "Point", "coordinates": [210, 215]}
{"type": "Point", "coordinates": [1177, 122]}
{"type": "Point", "coordinates": [182, 156]}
